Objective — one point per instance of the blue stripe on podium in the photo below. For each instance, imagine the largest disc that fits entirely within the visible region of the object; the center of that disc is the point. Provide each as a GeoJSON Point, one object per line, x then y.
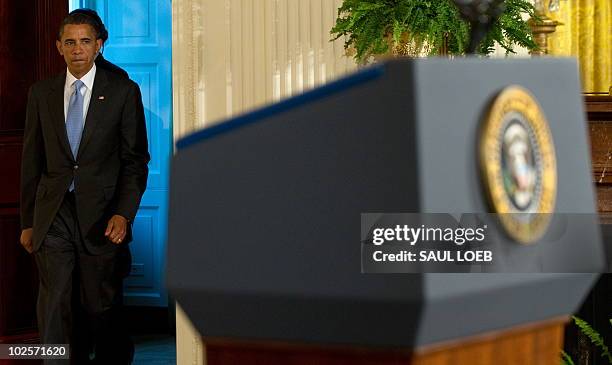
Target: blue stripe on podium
{"type": "Point", "coordinates": [344, 83]}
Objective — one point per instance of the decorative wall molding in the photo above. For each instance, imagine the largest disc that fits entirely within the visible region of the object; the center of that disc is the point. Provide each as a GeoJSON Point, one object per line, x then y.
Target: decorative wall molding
{"type": "Point", "coordinates": [230, 56]}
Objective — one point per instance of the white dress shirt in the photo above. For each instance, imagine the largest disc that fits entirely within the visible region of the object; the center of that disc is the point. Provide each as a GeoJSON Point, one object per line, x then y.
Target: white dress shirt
{"type": "Point", "coordinates": [88, 80]}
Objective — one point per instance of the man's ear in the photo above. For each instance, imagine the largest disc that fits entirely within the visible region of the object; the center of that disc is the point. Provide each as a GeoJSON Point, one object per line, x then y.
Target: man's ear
{"type": "Point", "coordinates": [58, 44]}
{"type": "Point", "coordinates": [98, 45]}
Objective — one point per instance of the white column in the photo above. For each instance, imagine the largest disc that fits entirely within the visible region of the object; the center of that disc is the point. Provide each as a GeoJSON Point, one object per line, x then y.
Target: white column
{"type": "Point", "coordinates": [230, 56]}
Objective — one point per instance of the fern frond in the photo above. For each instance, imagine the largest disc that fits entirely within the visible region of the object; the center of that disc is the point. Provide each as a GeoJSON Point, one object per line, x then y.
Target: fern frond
{"type": "Point", "coordinates": [371, 26]}
{"type": "Point", "coordinates": [566, 359]}
{"type": "Point", "coordinates": [594, 336]}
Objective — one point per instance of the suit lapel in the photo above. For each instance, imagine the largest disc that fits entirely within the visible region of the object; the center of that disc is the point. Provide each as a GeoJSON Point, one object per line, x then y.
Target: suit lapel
{"type": "Point", "coordinates": [56, 109]}
{"type": "Point", "coordinates": [95, 110]}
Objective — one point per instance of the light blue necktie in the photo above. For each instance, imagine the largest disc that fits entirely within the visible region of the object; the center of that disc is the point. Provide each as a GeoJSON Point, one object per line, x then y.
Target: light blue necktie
{"type": "Point", "coordinates": [74, 121]}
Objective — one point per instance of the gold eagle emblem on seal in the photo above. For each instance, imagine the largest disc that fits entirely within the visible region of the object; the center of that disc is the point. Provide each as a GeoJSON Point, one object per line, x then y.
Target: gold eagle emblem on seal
{"type": "Point", "coordinates": [518, 164]}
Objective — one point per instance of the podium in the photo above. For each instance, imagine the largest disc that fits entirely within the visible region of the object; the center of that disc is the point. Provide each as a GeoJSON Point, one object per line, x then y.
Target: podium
{"type": "Point", "coordinates": [264, 221]}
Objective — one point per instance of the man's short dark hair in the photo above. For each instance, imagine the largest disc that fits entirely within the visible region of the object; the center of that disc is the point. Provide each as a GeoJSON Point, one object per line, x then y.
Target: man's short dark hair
{"type": "Point", "coordinates": [80, 18]}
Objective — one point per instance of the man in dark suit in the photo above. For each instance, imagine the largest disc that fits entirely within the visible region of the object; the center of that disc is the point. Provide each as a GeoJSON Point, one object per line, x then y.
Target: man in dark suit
{"type": "Point", "coordinates": [84, 170]}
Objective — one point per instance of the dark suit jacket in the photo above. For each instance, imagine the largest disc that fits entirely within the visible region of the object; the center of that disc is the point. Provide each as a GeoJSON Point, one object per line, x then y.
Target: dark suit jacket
{"type": "Point", "coordinates": [110, 171]}
{"type": "Point", "coordinates": [102, 62]}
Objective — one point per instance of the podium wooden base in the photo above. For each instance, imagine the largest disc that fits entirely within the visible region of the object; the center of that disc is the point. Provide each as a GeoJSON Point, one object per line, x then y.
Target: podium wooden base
{"type": "Point", "coordinates": [534, 344]}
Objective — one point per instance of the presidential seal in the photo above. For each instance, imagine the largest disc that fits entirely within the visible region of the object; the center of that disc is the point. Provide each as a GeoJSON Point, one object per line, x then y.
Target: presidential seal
{"type": "Point", "coordinates": [518, 164]}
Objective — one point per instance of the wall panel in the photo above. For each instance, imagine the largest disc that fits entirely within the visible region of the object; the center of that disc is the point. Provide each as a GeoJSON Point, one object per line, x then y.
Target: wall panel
{"type": "Point", "coordinates": [242, 54]}
{"type": "Point", "coordinates": [28, 31]}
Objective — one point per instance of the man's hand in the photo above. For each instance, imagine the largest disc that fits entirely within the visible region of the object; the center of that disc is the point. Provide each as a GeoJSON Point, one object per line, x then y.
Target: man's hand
{"type": "Point", "coordinates": [116, 229]}
{"type": "Point", "coordinates": [26, 239]}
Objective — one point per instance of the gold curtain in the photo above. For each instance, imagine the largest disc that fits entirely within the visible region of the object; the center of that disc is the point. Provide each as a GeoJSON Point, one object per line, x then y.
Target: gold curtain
{"type": "Point", "coordinates": [586, 33]}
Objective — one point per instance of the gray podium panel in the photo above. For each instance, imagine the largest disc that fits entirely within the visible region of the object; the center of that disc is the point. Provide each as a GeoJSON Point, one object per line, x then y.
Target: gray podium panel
{"type": "Point", "coordinates": [264, 236]}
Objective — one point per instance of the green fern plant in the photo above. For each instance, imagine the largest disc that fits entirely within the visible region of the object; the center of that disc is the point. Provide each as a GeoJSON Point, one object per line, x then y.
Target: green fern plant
{"type": "Point", "coordinates": [566, 359]}
{"type": "Point", "coordinates": [371, 27]}
{"type": "Point", "coordinates": [595, 338]}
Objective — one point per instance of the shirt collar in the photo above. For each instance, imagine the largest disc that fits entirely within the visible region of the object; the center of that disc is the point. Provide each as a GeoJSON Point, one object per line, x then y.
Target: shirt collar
{"type": "Point", "coordinates": [88, 78]}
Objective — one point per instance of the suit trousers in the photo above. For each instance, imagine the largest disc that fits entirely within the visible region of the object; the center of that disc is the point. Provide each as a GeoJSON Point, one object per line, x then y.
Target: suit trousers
{"type": "Point", "coordinates": [79, 299]}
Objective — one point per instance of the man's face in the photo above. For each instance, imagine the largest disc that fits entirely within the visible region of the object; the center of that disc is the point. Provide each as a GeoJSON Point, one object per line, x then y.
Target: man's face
{"type": "Point", "coordinates": [79, 47]}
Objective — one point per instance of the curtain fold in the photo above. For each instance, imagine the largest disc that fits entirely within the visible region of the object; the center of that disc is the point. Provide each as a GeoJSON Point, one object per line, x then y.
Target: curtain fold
{"type": "Point", "coordinates": [586, 33]}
